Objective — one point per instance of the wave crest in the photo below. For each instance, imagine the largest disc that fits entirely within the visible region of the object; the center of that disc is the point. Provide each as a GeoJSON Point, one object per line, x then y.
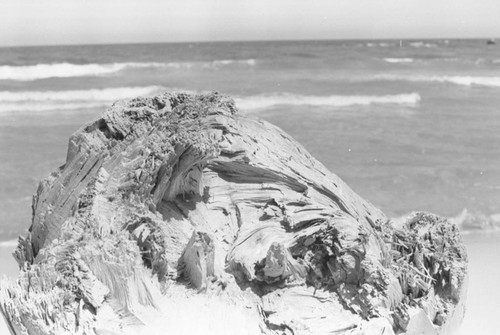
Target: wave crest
{"type": "Point", "coordinates": [476, 221]}
{"type": "Point", "coordinates": [69, 70]}
{"type": "Point", "coordinates": [79, 99]}
{"type": "Point", "coordinates": [457, 80]}
{"type": "Point", "coordinates": [399, 60]}
{"type": "Point", "coordinates": [470, 80]}
{"type": "Point", "coordinates": [39, 101]}
{"type": "Point", "coordinates": [8, 244]}
{"type": "Point", "coordinates": [266, 101]}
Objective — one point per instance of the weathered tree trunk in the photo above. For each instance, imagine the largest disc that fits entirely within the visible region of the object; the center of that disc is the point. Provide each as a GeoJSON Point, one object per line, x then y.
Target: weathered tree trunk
{"type": "Point", "coordinates": [175, 215]}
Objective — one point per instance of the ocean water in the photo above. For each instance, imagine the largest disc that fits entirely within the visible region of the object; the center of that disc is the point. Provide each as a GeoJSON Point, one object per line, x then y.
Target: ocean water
{"type": "Point", "coordinates": [409, 125]}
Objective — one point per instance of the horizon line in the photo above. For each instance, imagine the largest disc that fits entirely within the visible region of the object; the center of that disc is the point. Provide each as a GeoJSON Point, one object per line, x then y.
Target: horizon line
{"type": "Point", "coordinates": [252, 41]}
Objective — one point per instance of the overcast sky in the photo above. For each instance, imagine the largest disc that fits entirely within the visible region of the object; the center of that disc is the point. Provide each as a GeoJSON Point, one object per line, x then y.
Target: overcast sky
{"type": "Point", "coordinates": [35, 22]}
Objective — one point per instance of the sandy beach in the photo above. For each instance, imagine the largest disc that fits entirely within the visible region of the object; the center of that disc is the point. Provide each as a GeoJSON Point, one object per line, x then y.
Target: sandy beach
{"type": "Point", "coordinates": [483, 298]}
{"type": "Point", "coordinates": [8, 265]}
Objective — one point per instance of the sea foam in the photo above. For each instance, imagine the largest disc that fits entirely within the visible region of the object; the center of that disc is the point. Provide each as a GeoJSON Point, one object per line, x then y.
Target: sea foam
{"type": "Point", "coordinates": [8, 244]}
{"type": "Point", "coordinates": [457, 80]}
{"type": "Point", "coordinates": [65, 70]}
{"type": "Point", "coordinates": [266, 101]}
{"type": "Point", "coordinates": [78, 95]}
{"type": "Point", "coordinates": [399, 60]}
{"type": "Point", "coordinates": [39, 101]}
{"type": "Point", "coordinates": [469, 80]}
{"type": "Point", "coordinates": [470, 221]}
{"type": "Point", "coordinates": [69, 70]}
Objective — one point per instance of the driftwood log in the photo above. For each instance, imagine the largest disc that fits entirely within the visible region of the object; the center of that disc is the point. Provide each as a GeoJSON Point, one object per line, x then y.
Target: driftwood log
{"type": "Point", "coordinates": [176, 215]}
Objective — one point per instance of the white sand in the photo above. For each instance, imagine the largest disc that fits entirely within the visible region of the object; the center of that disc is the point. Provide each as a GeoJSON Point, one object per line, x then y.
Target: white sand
{"type": "Point", "coordinates": [8, 265]}
{"type": "Point", "coordinates": [4, 329]}
{"type": "Point", "coordinates": [483, 298]}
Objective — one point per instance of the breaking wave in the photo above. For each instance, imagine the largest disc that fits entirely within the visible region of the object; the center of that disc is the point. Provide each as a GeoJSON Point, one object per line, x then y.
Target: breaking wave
{"type": "Point", "coordinates": [68, 70]}
{"type": "Point", "coordinates": [467, 220]}
{"type": "Point", "coordinates": [399, 60]}
{"type": "Point", "coordinates": [266, 101]}
{"type": "Point", "coordinates": [39, 101]}
{"type": "Point", "coordinates": [457, 80]}
{"type": "Point", "coordinates": [8, 244]}
{"type": "Point", "coordinates": [469, 80]}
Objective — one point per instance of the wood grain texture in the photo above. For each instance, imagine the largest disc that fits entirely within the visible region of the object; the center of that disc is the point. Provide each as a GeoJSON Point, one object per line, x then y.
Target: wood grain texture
{"type": "Point", "coordinates": [178, 197]}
